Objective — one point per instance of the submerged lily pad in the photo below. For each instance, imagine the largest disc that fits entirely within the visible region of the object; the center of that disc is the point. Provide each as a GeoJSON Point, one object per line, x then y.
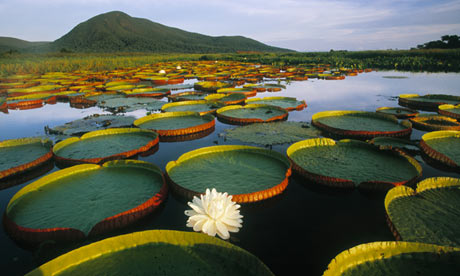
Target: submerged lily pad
{"type": "Point", "coordinates": [287, 103]}
{"type": "Point", "coordinates": [450, 110]}
{"type": "Point", "coordinates": [434, 122]}
{"type": "Point", "coordinates": [203, 107]}
{"type": "Point", "coordinates": [396, 258]}
{"type": "Point", "coordinates": [103, 145]}
{"type": "Point", "coordinates": [127, 104]}
{"type": "Point", "coordinates": [430, 214]}
{"type": "Point", "coordinates": [442, 147]}
{"type": "Point", "coordinates": [273, 133]}
{"type": "Point", "coordinates": [19, 155]}
{"type": "Point", "coordinates": [91, 123]}
{"type": "Point", "coordinates": [247, 173]}
{"type": "Point", "coordinates": [251, 113]}
{"type": "Point", "coordinates": [360, 124]}
{"type": "Point", "coordinates": [395, 143]}
{"type": "Point", "coordinates": [165, 252]}
{"type": "Point", "coordinates": [352, 163]}
{"type": "Point", "coordinates": [399, 112]}
{"type": "Point", "coordinates": [84, 200]}
{"type": "Point", "coordinates": [429, 102]}
{"type": "Point", "coordinates": [176, 123]}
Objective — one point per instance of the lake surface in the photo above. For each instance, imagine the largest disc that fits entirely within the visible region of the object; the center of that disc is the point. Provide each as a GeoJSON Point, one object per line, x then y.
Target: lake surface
{"type": "Point", "coordinates": [302, 229]}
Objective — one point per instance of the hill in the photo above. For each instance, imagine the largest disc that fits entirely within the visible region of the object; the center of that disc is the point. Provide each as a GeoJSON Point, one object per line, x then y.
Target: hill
{"type": "Point", "coordinates": [118, 32]}
{"type": "Point", "coordinates": [15, 44]}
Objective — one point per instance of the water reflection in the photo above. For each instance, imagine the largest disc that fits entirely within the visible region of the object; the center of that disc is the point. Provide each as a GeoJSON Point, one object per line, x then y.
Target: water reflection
{"type": "Point", "coordinates": [305, 227]}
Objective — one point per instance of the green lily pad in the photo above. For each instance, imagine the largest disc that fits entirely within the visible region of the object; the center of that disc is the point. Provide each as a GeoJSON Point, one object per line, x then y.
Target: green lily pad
{"type": "Point", "coordinates": [450, 110]}
{"type": "Point", "coordinates": [442, 147]}
{"type": "Point", "coordinates": [102, 145]}
{"type": "Point", "coordinates": [429, 102]}
{"type": "Point", "coordinates": [287, 103]}
{"type": "Point", "coordinates": [395, 143]}
{"type": "Point", "coordinates": [188, 96]}
{"type": "Point", "coordinates": [430, 122]}
{"type": "Point", "coordinates": [203, 107]}
{"type": "Point", "coordinates": [399, 112]}
{"type": "Point", "coordinates": [251, 113]}
{"type": "Point", "coordinates": [85, 200]}
{"type": "Point", "coordinates": [247, 173]}
{"type": "Point", "coordinates": [352, 163]}
{"type": "Point", "coordinates": [176, 123]}
{"type": "Point", "coordinates": [227, 99]}
{"type": "Point", "coordinates": [20, 155]}
{"type": "Point", "coordinates": [272, 133]}
{"type": "Point", "coordinates": [210, 86]}
{"type": "Point", "coordinates": [127, 104]}
{"type": "Point", "coordinates": [248, 92]}
{"type": "Point", "coordinates": [396, 258]}
{"type": "Point", "coordinates": [360, 124]}
{"type": "Point", "coordinates": [175, 86]}
{"type": "Point", "coordinates": [265, 87]}
{"type": "Point", "coordinates": [91, 123]}
{"type": "Point", "coordinates": [430, 214]}
{"type": "Point", "coordinates": [165, 252]}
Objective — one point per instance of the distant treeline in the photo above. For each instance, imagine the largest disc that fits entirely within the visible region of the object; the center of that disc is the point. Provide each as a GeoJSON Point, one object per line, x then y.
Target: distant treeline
{"type": "Point", "coordinates": [435, 60]}
{"type": "Point", "coordinates": [446, 42]}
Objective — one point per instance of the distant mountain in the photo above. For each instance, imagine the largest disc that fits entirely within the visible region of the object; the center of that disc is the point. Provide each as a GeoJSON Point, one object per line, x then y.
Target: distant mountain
{"type": "Point", "coordinates": [118, 32]}
{"type": "Point", "coordinates": [15, 44]}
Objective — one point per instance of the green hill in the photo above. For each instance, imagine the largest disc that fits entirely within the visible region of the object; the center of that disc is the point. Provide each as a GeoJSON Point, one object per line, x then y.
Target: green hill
{"type": "Point", "coordinates": [118, 32]}
{"type": "Point", "coordinates": [15, 44]}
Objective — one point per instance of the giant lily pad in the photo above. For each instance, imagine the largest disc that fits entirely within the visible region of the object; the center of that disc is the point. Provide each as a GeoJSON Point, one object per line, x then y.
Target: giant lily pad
{"type": "Point", "coordinates": [203, 107]}
{"type": "Point", "coordinates": [360, 124]}
{"type": "Point", "coordinates": [84, 200]}
{"type": "Point", "coordinates": [90, 123]}
{"type": "Point", "coordinates": [19, 155]}
{"type": "Point", "coordinates": [270, 87]}
{"type": "Point", "coordinates": [127, 104]}
{"type": "Point", "coordinates": [395, 143]}
{"type": "Point", "coordinates": [352, 163]}
{"type": "Point", "coordinates": [434, 122]}
{"type": "Point", "coordinates": [227, 99]}
{"type": "Point", "coordinates": [103, 145]}
{"type": "Point", "coordinates": [272, 133]}
{"type": "Point", "coordinates": [450, 110]}
{"type": "Point", "coordinates": [175, 86]}
{"type": "Point", "coordinates": [248, 92]}
{"type": "Point", "coordinates": [187, 96]}
{"type": "Point", "coordinates": [429, 102]}
{"type": "Point", "coordinates": [211, 86]}
{"type": "Point", "coordinates": [176, 123]}
{"type": "Point", "coordinates": [251, 113]}
{"type": "Point", "coordinates": [399, 112]}
{"type": "Point", "coordinates": [396, 258]}
{"type": "Point", "coordinates": [247, 173]}
{"type": "Point", "coordinates": [442, 148]}
{"type": "Point", "coordinates": [287, 103]}
{"type": "Point", "coordinates": [165, 252]}
{"type": "Point", "coordinates": [430, 214]}
{"type": "Point", "coordinates": [147, 92]}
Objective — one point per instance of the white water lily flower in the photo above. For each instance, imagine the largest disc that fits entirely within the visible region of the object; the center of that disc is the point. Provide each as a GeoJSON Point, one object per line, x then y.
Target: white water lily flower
{"type": "Point", "coordinates": [178, 67]}
{"type": "Point", "coordinates": [162, 72]}
{"type": "Point", "coordinates": [214, 213]}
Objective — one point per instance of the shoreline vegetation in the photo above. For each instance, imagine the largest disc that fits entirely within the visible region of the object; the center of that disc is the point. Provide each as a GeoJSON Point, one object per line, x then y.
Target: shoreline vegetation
{"type": "Point", "coordinates": [415, 60]}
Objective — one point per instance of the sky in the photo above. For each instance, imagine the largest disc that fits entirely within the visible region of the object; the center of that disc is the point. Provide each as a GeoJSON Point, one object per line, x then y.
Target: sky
{"type": "Point", "coordinates": [308, 25]}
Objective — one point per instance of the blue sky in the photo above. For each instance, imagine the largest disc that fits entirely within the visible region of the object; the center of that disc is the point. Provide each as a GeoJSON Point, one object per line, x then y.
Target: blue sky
{"type": "Point", "coordinates": [313, 25]}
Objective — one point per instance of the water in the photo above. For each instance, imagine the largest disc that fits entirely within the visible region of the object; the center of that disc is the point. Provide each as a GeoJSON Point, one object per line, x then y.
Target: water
{"type": "Point", "coordinates": [304, 228]}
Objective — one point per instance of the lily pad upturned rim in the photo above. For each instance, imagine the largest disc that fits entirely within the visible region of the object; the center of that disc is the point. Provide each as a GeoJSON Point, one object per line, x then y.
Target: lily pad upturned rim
{"type": "Point", "coordinates": [346, 183]}
{"type": "Point", "coordinates": [410, 101]}
{"type": "Point", "coordinates": [405, 191]}
{"type": "Point", "coordinates": [179, 96]}
{"type": "Point", "coordinates": [180, 131]}
{"type": "Point", "coordinates": [147, 92]}
{"type": "Point", "coordinates": [32, 164]}
{"type": "Point", "coordinates": [444, 110]}
{"type": "Point", "coordinates": [410, 112]}
{"type": "Point", "coordinates": [165, 107]}
{"type": "Point", "coordinates": [248, 92]}
{"type": "Point", "coordinates": [239, 198]}
{"type": "Point", "coordinates": [374, 251]}
{"type": "Point", "coordinates": [242, 121]}
{"type": "Point", "coordinates": [361, 134]}
{"type": "Point", "coordinates": [240, 98]}
{"type": "Point", "coordinates": [419, 122]}
{"type": "Point", "coordinates": [141, 239]}
{"type": "Point", "coordinates": [105, 132]}
{"type": "Point", "coordinates": [65, 234]}
{"type": "Point", "coordinates": [435, 155]}
{"type": "Point", "coordinates": [299, 107]}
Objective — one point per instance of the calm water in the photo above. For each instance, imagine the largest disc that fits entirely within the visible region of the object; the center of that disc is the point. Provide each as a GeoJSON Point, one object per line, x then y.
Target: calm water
{"type": "Point", "coordinates": [305, 227]}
